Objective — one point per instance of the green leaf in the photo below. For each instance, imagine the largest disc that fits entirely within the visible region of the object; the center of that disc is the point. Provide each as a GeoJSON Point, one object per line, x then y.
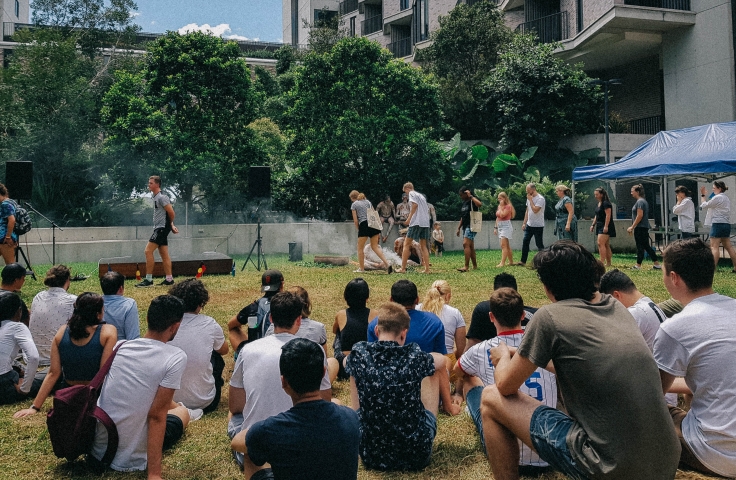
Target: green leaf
{"type": "Point", "coordinates": [480, 152]}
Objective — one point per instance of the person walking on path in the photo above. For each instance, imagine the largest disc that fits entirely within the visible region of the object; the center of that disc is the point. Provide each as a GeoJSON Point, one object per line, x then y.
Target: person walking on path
{"type": "Point", "coordinates": [360, 208]}
{"type": "Point", "coordinates": [418, 222]}
{"type": "Point", "coordinates": [603, 225]}
{"type": "Point", "coordinates": [464, 227]}
{"type": "Point", "coordinates": [503, 229]}
{"type": "Point", "coordinates": [640, 228]}
{"type": "Point", "coordinates": [533, 225]}
{"type": "Point", "coordinates": [566, 223]}
{"type": "Point", "coordinates": [163, 224]}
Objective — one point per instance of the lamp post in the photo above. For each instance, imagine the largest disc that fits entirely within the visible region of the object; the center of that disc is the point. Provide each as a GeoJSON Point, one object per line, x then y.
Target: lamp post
{"type": "Point", "coordinates": [606, 83]}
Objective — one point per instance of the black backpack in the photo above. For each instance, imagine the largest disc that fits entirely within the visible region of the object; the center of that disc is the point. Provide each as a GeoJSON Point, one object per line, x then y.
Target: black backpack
{"type": "Point", "coordinates": [22, 219]}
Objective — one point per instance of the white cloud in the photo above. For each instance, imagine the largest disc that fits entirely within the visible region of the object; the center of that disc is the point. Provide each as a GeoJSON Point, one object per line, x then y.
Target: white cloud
{"type": "Point", "coordinates": [134, 14]}
{"type": "Point", "coordinates": [237, 37]}
{"type": "Point", "coordinates": [217, 30]}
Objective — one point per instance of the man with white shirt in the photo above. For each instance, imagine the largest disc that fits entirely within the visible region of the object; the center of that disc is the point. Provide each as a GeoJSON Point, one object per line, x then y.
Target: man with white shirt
{"type": "Point", "coordinates": [50, 310]}
{"type": "Point", "coordinates": [255, 386]}
{"type": "Point", "coordinates": [533, 225]}
{"type": "Point", "coordinates": [120, 311]}
{"type": "Point", "coordinates": [418, 222]}
{"type": "Point", "coordinates": [699, 344]}
{"type": "Point", "coordinates": [138, 394]}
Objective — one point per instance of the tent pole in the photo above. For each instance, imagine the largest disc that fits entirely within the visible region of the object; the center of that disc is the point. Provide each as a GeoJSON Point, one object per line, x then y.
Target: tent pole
{"type": "Point", "coordinates": [665, 212]}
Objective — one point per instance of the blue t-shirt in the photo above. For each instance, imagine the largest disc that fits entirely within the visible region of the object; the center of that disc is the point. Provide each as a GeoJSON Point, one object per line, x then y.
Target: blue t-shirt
{"type": "Point", "coordinates": [300, 442]}
{"type": "Point", "coordinates": [425, 329]}
{"type": "Point", "coordinates": [6, 209]}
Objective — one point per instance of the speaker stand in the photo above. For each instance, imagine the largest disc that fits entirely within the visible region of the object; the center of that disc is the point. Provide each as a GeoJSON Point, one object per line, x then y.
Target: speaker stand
{"type": "Point", "coordinates": [258, 244]}
{"type": "Point", "coordinates": [19, 250]}
{"type": "Point", "coordinates": [54, 226]}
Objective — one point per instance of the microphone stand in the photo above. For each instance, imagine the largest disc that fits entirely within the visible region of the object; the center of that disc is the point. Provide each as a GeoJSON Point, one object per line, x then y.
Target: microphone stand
{"type": "Point", "coordinates": [54, 226]}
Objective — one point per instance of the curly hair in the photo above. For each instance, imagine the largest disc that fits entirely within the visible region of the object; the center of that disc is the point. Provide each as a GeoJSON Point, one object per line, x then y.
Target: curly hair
{"type": "Point", "coordinates": [192, 292]}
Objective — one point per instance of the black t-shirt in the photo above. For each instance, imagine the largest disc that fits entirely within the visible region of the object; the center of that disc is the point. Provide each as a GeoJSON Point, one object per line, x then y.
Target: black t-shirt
{"type": "Point", "coordinates": [600, 217]}
{"type": "Point", "coordinates": [465, 213]}
{"type": "Point", "coordinates": [481, 328]}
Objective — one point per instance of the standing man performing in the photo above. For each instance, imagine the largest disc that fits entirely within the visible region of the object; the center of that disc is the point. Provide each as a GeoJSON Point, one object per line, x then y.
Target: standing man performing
{"type": "Point", "coordinates": [464, 227]}
{"type": "Point", "coordinates": [418, 222]}
{"type": "Point", "coordinates": [163, 223]}
{"type": "Point", "coordinates": [533, 221]}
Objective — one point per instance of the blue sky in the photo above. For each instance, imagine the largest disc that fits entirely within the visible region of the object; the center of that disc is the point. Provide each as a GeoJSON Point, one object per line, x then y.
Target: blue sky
{"type": "Point", "coordinates": [239, 19]}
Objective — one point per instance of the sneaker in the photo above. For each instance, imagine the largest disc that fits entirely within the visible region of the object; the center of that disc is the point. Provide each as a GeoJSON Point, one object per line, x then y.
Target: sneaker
{"type": "Point", "coordinates": [390, 269]}
{"type": "Point", "coordinates": [657, 267]}
{"type": "Point", "coordinates": [635, 267]}
{"type": "Point", "coordinates": [358, 271]}
{"type": "Point", "coordinates": [167, 283]}
{"type": "Point", "coordinates": [195, 414]}
{"type": "Point", "coordinates": [145, 283]}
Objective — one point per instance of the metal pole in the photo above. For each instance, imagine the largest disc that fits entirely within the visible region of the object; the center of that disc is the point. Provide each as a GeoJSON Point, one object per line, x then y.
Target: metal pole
{"type": "Point", "coordinates": [605, 114]}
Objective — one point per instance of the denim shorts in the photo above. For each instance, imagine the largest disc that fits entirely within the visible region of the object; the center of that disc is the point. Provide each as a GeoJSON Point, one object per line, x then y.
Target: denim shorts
{"type": "Point", "coordinates": [419, 233]}
{"type": "Point", "coordinates": [472, 399]}
{"type": "Point", "coordinates": [470, 235]}
{"type": "Point", "coordinates": [549, 428]}
{"type": "Point", "coordinates": [720, 230]}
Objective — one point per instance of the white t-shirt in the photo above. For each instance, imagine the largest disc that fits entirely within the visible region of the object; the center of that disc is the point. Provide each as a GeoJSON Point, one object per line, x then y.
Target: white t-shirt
{"type": "Point", "coordinates": [452, 319]}
{"type": "Point", "coordinates": [541, 385]}
{"type": "Point", "coordinates": [50, 310]}
{"type": "Point", "coordinates": [685, 212]}
{"type": "Point", "coordinates": [309, 329]}
{"type": "Point", "coordinates": [648, 316]}
{"type": "Point", "coordinates": [699, 344]}
{"type": "Point", "coordinates": [536, 219]}
{"type": "Point", "coordinates": [719, 207]}
{"type": "Point", "coordinates": [139, 368]}
{"type": "Point", "coordinates": [257, 372]}
{"type": "Point", "coordinates": [421, 216]}
{"type": "Point", "coordinates": [198, 335]}
{"type": "Point", "coordinates": [14, 337]}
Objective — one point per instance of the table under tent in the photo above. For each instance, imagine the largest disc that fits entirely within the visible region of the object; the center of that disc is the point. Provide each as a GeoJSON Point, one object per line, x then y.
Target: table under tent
{"type": "Point", "coordinates": [705, 153]}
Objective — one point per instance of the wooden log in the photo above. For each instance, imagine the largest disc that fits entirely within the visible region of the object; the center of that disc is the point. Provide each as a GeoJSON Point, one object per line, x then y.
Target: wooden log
{"type": "Point", "coordinates": [331, 260]}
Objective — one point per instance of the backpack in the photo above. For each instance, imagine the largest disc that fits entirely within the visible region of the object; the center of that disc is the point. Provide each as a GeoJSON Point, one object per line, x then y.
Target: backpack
{"type": "Point", "coordinates": [255, 316]}
{"type": "Point", "coordinates": [22, 219]}
{"type": "Point", "coordinates": [72, 422]}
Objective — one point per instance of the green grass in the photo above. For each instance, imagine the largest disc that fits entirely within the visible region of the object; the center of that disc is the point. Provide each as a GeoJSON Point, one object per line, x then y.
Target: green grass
{"type": "Point", "coordinates": [204, 451]}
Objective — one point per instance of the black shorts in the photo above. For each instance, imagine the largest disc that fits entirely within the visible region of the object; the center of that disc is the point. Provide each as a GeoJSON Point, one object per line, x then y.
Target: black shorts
{"type": "Point", "coordinates": [160, 236]}
{"type": "Point", "coordinates": [174, 431]}
{"type": "Point", "coordinates": [365, 231]}
{"type": "Point", "coordinates": [8, 393]}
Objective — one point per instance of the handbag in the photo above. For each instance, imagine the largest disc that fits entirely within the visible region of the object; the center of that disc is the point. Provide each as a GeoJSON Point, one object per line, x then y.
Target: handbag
{"type": "Point", "coordinates": [476, 219]}
{"type": "Point", "coordinates": [374, 220]}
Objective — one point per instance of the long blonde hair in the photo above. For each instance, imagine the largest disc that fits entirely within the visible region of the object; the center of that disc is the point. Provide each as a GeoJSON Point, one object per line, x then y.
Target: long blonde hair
{"type": "Point", "coordinates": [434, 299]}
{"type": "Point", "coordinates": [506, 201]}
{"type": "Point", "coordinates": [356, 195]}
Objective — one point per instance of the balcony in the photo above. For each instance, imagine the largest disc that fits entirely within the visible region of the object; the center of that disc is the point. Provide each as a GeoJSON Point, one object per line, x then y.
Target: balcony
{"type": "Point", "coordinates": [668, 4]}
{"type": "Point", "coordinates": [400, 48]}
{"type": "Point", "coordinates": [552, 28]}
{"type": "Point", "coordinates": [371, 25]}
{"type": "Point", "coordinates": [647, 126]}
{"type": "Point", "coordinates": [348, 6]}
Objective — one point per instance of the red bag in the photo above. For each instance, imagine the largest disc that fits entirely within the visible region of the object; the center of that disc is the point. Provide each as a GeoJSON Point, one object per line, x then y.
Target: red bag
{"type": "Point", "coordinates": [72, 421]}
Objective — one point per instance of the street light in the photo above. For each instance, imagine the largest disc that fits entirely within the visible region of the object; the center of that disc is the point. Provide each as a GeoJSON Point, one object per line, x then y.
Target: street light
{"type": "Point", "coordinates": [606, 83]}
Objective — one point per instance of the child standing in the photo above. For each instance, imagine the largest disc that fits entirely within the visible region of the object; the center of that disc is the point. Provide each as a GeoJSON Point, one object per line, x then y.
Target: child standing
{"type": "Point", "coordinates": [438, 237]}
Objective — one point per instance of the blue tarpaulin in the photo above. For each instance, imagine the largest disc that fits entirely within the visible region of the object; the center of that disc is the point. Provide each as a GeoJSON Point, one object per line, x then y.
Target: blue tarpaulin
{"type": "Point", "coordinates": [707, 149]}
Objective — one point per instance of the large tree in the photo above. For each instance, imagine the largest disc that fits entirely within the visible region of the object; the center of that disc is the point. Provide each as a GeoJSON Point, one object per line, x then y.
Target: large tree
{"type": "Point", "coordinates": [464, 51]}
{"type": "Point", "coordinates": [533, 98]}
{"type": "Point", "coordinates": [358, 119]}
{"type": "Point", "coordinates": [185, 115]}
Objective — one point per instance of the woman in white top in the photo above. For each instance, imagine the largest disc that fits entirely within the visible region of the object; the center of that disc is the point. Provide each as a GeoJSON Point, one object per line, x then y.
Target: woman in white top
{"type": "Point", "coordinates": [437, 301]}
{"type": "Point", "coordinates": [685, 211]}
{"type": "Point", "coordinates": [14, 337]}
{"type": "Point", "coordinates": [360, 208]}
{"type": "Point", "coordinates": [720, 229]}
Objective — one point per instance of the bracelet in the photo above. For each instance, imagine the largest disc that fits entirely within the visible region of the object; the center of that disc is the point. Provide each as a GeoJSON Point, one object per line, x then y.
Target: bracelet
{"type": "Point", "coordinates": [33, 407]}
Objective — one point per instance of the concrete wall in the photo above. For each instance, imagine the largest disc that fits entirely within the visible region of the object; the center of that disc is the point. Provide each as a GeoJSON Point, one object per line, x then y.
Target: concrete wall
{"type": "Point", "coordinates": [594, 10]}
{"type": "Point", "coordinates": [8, 11]}
{"type": "Point", "coordinates": [105, 244]}
{"type": "Point", "coordinates": [437, 9]}
{"type": "Point", "coordinates": [698, 66]}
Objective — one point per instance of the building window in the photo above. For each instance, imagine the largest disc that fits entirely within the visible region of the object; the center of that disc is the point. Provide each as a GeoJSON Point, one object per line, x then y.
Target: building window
{"type": "Point", "coordinates": [295, 23]}
{"type": "Point", "coordinates": [403, 4]}
{"type": "Point", "coordinates": [352, 26]}
{"type": "Point", "coordinates": [17, 9]}
{"type": "Point", "coordinates": [580, 16]}
{"type": "Point", "coordinates": [323, 17]}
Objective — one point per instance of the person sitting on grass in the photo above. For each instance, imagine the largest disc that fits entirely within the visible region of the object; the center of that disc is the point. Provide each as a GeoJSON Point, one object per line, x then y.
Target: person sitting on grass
{"type": "Point", "coordinates": [79, 349]}
{"type": "Point", "coordinates": [351, 324]}
{"type": "Point", "coordinates": [600, 359]}
{"type": "Point", "coordinates": [476, 371]}
{"type": "Point", "coordinates": [13, 278]}
{"type": "Point", "coordinates": [203, 341]}
{"type": "Point", "coordinates": [14, 338]}
{"type": "Point", "coordinates": [120, 311]}
{"type": "Point", "coordinates": [396, 404]}
{"type": "Point", "coordinates": [415, 255]}
{"type": "Point", "coordinates": [280, 440]}
{"type": "Point", "coordinates": [255, 315]}
{"type": "Point", "coordinates": [255, 387]}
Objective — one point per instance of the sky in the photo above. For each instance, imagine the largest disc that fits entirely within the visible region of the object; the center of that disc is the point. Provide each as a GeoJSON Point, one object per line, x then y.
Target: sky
{"type": "Point", "coordinates": [237, 19]}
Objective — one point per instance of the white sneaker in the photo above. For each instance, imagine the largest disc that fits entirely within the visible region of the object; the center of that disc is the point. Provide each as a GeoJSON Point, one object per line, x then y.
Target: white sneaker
{"type": "Point", "coordinates": [195, 414]}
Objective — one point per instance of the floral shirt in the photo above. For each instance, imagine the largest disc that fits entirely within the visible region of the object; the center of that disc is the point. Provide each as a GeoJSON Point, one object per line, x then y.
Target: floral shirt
{"type": "Point", "coordinates": [394, 435]}
{"type": "Point", "coordinates": [6, 210]}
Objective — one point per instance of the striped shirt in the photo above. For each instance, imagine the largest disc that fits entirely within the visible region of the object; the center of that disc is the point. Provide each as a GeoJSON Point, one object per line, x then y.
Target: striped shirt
{"type": "Point", "coordinates": [540, 385]}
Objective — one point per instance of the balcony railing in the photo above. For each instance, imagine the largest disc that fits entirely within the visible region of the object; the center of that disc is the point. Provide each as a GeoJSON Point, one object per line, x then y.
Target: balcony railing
{"type": "Point", "coordinates": [647, 126]}
{"type": "Point", "coordinates": [400, 48]}
{"type": "Point", "coordinates": [552, 28]}
{"type": "Point", "coordinates": [371, 25]}
{"type": "Point", "coordinates": [670, 4]}
{"type": "Point", "coordinates": [348, 6]}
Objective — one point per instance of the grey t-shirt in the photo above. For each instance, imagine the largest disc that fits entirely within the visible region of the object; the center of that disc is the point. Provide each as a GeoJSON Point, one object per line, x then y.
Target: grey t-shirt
{"type": "Point", "coordinates": [641, 203]}
{"type": "Point", "coordinates": [309, 329]}
{"type": "Point", "coordinates": [160, 218]}
{"type": "Point", "coordinates": [611, 388]}
{"type": "Point", "coordinates": [361, 209]}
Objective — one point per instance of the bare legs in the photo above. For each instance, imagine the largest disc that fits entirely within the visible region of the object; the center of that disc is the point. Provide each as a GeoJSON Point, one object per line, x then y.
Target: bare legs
{"type": "Point", "coordinates": [604, 249]}
{"type": "Point", "coordinates": [715, 243]}
{"type": "Point", "coordinates": [469, 249]}
{"type": "Point", "coordinates": [361, 255]}
{"type": "Point", "coordinates": [163, 250]}
{"type": "Point", "coordinates": [390, 221]}
{"type": "Point", "coordinates": [506, 253]}
{"type": "Point", "coordinates": [377, 250]}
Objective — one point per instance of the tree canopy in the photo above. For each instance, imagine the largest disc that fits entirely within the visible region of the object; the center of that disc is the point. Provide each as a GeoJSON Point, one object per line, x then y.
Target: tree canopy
{"type": "Point", "coordinates": [358, 119]}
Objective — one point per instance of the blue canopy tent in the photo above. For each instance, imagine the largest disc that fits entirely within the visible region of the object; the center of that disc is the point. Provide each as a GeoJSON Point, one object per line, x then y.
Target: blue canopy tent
{"type": "Point", "coordinates": [706, 152]}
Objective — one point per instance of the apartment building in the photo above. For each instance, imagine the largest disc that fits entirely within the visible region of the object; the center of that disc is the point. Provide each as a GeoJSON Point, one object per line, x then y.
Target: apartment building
{"type": "Point", "coordinates": [296, 12]}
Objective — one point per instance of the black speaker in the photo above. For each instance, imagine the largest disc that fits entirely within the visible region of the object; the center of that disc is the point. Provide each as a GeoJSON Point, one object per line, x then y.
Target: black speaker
{"type": "Point", "coordinates": [19, 180]}
{"type": "Point", "coordinates": [259, 182]}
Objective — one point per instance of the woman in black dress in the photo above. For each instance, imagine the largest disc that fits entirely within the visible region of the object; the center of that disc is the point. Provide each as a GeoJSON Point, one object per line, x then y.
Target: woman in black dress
{"type": "Point", "coordinates": [603, 224]}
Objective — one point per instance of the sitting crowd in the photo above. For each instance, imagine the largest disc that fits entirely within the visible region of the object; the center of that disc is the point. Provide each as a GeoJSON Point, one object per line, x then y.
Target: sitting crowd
{"type": "Point", "coordinates": [586, 385]}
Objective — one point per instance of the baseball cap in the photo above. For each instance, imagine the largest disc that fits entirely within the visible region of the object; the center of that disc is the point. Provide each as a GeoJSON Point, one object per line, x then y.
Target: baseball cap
{"type": "Point", "coordinates": [12, 272]}
{"type": "Point", "coordinates": [271, 281]}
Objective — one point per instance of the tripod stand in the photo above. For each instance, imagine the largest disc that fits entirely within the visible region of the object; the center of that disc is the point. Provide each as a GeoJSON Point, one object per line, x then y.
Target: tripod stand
{"type": "Point", "coordinates": [19, 250]}
{"type": "Point", "coordinates": [257, 244]}
{"type": "Point", "coordinates": [54, 226]}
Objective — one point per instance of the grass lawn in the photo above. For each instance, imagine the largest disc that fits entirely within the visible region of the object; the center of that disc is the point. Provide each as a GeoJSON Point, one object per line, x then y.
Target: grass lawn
{"type": "Point", "coordinates": [204, 451]}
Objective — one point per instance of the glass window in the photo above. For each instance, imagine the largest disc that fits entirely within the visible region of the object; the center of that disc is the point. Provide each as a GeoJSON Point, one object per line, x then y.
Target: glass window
{"type": "Point", "coordinates": [17, 9]}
